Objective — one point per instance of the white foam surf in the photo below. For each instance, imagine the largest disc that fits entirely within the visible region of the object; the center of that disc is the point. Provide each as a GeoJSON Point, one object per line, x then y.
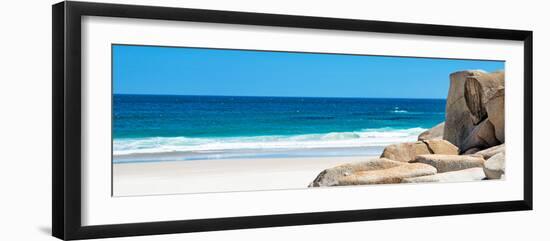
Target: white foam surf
{"type": "Point", "coordinates": [363, 138]}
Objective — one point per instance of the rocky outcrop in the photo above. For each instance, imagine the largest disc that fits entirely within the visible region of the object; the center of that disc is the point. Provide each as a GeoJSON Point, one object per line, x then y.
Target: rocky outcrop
{"type": "Point", "coordinates": [448, 163]}
{"type": "Point", "coordinates": [468, 146]}
{"type": "Point", "coordinates": [466, 175]}
{"type": "Point", "coordinates": [331, 176]}
{"type": "Point", "coordinates": [494, 168]}
{"type": "Point", "coordinates": [374, 176]}
{"type": "Point", "coordinates": [406, 152]}
{"type": "Point", "coordinates": [472, 96]}
{"type": "Point", "coordinates": [435, 133]}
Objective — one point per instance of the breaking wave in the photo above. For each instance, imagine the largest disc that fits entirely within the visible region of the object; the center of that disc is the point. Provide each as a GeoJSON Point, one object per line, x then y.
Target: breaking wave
{"type": "Point", "coordinates": [365, 137]}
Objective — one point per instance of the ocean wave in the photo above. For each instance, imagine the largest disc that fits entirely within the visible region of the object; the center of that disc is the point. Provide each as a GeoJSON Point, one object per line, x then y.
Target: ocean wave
{"type": "Point", "coordinates": [400, 111]}
{"type": "Point", "coordinates": [366, 137]}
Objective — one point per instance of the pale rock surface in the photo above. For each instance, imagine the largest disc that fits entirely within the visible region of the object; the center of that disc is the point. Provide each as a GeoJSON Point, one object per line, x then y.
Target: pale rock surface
{"type": "Point", "coordinates": [405, 152]}
{"type": "Point", "coordinates": [441, 147]}
{"type": "Point", "coordinates": [387, 176]}
{"type": "Point", "coordinates": [495, 167]}
{"type": "Point", "coordinates": [331, 176]}
{"type": "Point", "coordinates": [466, 175]}
{"type": "Point", "coordinates": [448, 163]}
{"type": "Point", "coordinates": [435, 133]}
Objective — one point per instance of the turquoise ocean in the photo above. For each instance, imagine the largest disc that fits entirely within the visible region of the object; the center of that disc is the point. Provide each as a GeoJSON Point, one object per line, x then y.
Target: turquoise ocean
{"type": "Point", "coordinates": [148, 128]}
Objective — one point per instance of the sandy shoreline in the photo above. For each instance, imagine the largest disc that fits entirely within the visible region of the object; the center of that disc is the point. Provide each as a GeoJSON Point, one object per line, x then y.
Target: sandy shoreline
{"type": "Point", "coordinates": [223, 175]}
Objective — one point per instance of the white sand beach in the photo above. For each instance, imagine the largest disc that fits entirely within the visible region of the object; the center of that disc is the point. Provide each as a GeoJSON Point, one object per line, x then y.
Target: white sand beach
{"type": "Point", "coordinates": [222, 175]}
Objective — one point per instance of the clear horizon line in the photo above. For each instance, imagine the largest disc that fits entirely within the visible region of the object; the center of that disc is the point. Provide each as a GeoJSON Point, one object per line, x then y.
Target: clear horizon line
{"type": "Point", "coordinates": [268, 96]}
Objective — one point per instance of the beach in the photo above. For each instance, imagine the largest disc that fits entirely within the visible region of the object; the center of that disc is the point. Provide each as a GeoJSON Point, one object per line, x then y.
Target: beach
{"type": "Point", "coordinates": [201, 144]}
{"type": "Point", "coordinates": [253, 130]}
{"type": "Point", "coordinates": [221, 175]}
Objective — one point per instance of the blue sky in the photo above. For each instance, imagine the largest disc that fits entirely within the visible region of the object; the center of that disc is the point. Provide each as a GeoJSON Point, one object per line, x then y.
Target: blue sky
{"type": "Point", "coordinates": [197, 71]}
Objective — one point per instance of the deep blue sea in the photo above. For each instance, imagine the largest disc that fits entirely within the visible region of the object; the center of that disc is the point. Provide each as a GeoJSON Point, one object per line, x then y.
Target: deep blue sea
{"type": "Point", "coordinates": [209, 127]}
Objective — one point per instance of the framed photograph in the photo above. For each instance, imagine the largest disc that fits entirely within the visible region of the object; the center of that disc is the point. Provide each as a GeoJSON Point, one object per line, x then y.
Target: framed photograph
{"type": "Point", "coordinates": [169, 120]}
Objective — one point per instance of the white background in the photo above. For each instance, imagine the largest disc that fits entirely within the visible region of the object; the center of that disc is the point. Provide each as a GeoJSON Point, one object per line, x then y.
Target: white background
{"type": "Point", "coordinates": [25, 125]}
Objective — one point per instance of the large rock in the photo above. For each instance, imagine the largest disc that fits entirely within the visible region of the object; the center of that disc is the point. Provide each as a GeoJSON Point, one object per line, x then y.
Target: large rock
{"type": "Point", "coordinates": [435, 133]}
{"type": "Point", "coordinates": [448, 163]}
{"type": "Point", "coordinates": [495, 112]}
{"type": "Point", "coordinates": [478, 89]}
{"type": "Point", "coordinates": [489, 152]}
{"type": "Point", "coordinates": [467, 107]}
{"type": "Point", "coordinates": [331, 176]}
{"type": "Point", "coordinates": [466, 175]}
{"type": "Point", "coordinates": [387, 176]}
{"type": "Point", "coordinates": [495, 167]}
{"type": "Point", "coordinates": [458, 122]}
{"type": "Point", "coordinates": [406, 152]}
{"type": "Point", "coordinates": [481, 137]}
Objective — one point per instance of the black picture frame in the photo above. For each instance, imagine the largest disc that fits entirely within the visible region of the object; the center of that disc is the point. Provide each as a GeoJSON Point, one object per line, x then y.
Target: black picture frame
{"type": "Point", "coordinates": [66, 127]}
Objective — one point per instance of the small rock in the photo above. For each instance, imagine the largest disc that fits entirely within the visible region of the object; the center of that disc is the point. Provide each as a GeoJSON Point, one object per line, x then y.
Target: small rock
{"type": "Point", "coordinates": [494, 168]}
{"type": "Point", "coordinates": [466, 175]}
{"type": "Point", "coordinates": [405, 152]}
{"type": "Point", "coordinates": [448, 163]}
{"type": "Point", "coordinates": [387, 176]}
{"type": "Point", "coordinates": [435, 133]}
{"type": "Point", "coordinates": [441, 147]}
{"type": "Point", "coordinates": [330, 177]}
